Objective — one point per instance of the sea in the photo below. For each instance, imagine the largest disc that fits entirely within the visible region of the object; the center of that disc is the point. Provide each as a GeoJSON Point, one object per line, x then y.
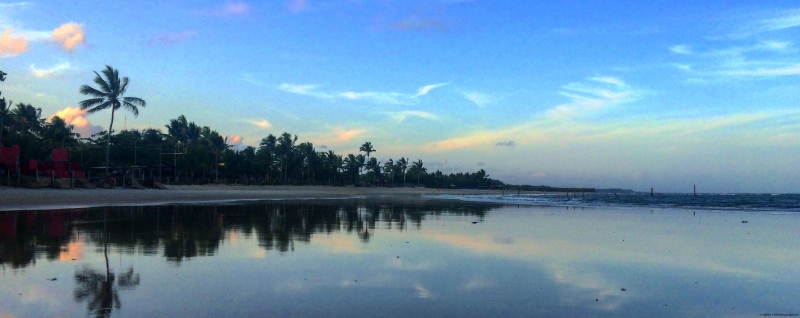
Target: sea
{"type": "Point", "coordinates": [765, 202]}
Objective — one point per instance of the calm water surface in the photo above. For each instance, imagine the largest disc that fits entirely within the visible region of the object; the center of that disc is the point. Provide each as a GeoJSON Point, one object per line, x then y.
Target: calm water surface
{"type": "Point", "coordinates": [400, 258]}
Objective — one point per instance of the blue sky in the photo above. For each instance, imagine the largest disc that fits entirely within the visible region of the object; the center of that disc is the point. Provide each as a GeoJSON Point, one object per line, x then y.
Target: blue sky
{"type": "Point", "coordinates": [578, 93]}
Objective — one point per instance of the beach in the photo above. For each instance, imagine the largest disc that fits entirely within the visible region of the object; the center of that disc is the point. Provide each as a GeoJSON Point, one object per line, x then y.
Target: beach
{"type": "Point", "coordinates": [30, 199]}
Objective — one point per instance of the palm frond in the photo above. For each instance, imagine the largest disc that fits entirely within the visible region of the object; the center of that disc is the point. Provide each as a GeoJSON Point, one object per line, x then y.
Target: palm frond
{"type": "Point", "coordinates": [104, 86]}
{"type": "Point", "coordinates": [91, 102]}
{"type": "Point", "coordinates": [88, 90]}
{"type": "Point", "coordinates": [112, 77]}
{"type": "Point", "coordinates": [135, 100]}
{"type": "Point", "coordinates": [104, 105]}
{"type": "Point", "coordinates": [123, 86]}
{"type": "Point", "coordinates": [132, 108]}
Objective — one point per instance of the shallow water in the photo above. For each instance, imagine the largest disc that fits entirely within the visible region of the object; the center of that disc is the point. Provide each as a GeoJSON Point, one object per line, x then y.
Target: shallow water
{"type": "Point", "coordinates": [346, 258]}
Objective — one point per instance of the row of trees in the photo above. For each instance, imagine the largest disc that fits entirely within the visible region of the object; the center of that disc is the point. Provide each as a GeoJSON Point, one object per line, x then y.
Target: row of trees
{"type": "Point", "coordinates": [198, 152]}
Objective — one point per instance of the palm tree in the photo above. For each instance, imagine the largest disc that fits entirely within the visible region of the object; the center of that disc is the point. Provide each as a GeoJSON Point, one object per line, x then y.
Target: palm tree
{"type": "Point", "coordinates": [375, 167]}
{"type": "Point", "coordinates": [58, 132]}
{"type": "Point", "coordinates": [367, 147]}
{"type": "Point", "coordinates": [417, 166]}
{"type": "Point", "coordinates": [388, 167]}
{"type": "Point", "coordinates": [110, 95]}
{"type": "Point", "coordinates": [27, 119]}
{"type": "Point", "coordinates": [402, 165]}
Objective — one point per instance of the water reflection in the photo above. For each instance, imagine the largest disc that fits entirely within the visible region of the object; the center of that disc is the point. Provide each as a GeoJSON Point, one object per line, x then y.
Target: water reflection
{"type": "Point", "coordinates": [182, 232]}
{"type": "Point", "coordinates": [395, 258]}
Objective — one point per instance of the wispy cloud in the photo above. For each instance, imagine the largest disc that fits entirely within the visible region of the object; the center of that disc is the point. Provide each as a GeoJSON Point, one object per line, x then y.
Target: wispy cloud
{"type": "Point", "coordinates": [346, 135]}
{"type": "Point", "coordinates": [478, 99]}
{"type": "Point", "coordinates": [784, 20]}
{"type": "Point", "coordinates": [425, 89]}
{"type": "Point", "coordinates": [681, 49]}
{"type": "Point", "coordinates": [401, 116]}
{"type": "Point", "coordinates": [49, 72]}
{"type": "Point", "coordinates": [392, 98]}
{"type": "Point", "coordinates": [377, 97]}
{"type": "Point", "coordinates": [760, 59]}
{"type": "Point", "coordinates": [171, 38]}
{"type": "Point", "coordinates": [263, 123]}
{"type": "Point", "coordinates": [308, 90]}
{"type": "Point", "coordinates": [593, 94]}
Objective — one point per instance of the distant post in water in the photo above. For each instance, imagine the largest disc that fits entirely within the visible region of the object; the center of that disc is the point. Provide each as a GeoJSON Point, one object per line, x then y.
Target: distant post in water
{"type": "Point", "coordinates": [694, 187]}
{"type": "Point", "coordinates": [651, 192]}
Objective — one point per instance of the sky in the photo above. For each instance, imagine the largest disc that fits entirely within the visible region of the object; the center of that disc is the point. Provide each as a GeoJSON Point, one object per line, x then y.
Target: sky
{"type": "Point", "coordinates": [623, 94]}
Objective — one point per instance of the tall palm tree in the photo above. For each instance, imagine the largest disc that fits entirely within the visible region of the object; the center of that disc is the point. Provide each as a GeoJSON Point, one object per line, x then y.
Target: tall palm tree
{"type": "Point", "coordinates": [367, 147]}
{"type": "Point", "coordinates": [419, 168]}
{"type": "Point", "coordinates": [402, 165]}
{"type": "Point", "coordinates": [374, 166]}
{"type": "Point", "coordinates": [388, 168]}
{"type": "Point", "coordinates": [110, 95]}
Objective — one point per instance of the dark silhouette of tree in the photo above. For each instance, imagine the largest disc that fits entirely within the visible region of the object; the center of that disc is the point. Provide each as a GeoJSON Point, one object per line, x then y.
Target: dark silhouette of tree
{"type": "Point", "coordinates": [110, 95]}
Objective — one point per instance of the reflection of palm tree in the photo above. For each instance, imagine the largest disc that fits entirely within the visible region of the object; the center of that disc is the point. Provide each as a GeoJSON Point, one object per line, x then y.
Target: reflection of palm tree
{"type": "Point", "coordinates": [99, 289]}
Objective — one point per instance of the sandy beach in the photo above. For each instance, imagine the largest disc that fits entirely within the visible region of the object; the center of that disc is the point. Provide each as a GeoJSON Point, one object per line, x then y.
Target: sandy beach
{"type": "Point", "coordinates": [28, 199]}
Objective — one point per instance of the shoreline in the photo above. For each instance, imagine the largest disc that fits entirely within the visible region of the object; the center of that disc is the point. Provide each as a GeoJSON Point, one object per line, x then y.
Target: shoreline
{"type": "Point", "coordinates": [15, 199]}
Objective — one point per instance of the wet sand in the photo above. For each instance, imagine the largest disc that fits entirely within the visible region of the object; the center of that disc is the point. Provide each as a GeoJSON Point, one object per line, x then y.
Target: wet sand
{"type": "Point", "coordinates": [29, 199]}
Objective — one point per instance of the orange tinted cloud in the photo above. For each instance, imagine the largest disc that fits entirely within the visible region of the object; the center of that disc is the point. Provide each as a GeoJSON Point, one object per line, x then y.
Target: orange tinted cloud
{"type": "Point", "coordinates": [234, 139]}
{"type": "Point", "coordinates": [346, 135]}
{"type": "Point", "coordinates": [10, 45]}
{"type": "Point", "coordinates": [69, 35]}
{"type": "Point", "coordinates": [75, 116]}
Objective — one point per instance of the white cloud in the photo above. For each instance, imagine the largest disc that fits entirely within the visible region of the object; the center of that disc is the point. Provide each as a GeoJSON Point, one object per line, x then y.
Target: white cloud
{"type": "Point", "coordinates": [391, 98]}
{"type": "Point", "coordinates": [788, 19]}
{"type": "Point", "coordinates": [263, 124]}
{"type": "Point", "coordinates": [308, 90]}
{"type": "Point", "coordinates": [762, 59]}
{"type": "Point", "coordinates": [681, 49]}
{"type": "Point", "coordinates": [426, 89]}
{"type": "Point", "coordinates": [53, 71]}
{"type": "Point", "coordinates": [401, 116]}
{"type": "Point", "coordinates": [478, 99]}
{"type": "Point", "coordinates": [608, 80]}
{"type": "Point", "coordinates": [378, 97]}
{"type": "Point", "coordinates": [587, 97]}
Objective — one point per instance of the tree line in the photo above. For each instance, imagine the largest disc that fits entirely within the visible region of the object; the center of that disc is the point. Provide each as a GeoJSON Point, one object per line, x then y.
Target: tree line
{"type": "Point", "coordinates": [194, 152]}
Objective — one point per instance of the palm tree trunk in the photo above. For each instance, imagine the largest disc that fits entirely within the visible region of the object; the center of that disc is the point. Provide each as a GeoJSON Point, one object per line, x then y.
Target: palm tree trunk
{"type": "Point", "coordinates": [108, 141]}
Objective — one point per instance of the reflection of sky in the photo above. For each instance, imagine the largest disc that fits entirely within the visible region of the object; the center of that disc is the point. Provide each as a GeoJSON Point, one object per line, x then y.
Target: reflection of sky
{"type": "Point", "coordinates": [514, 262]}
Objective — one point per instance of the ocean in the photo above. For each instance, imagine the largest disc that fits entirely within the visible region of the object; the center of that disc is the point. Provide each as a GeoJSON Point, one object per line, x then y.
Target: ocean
{"type": "Point", "coordinates": [773, 203]}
